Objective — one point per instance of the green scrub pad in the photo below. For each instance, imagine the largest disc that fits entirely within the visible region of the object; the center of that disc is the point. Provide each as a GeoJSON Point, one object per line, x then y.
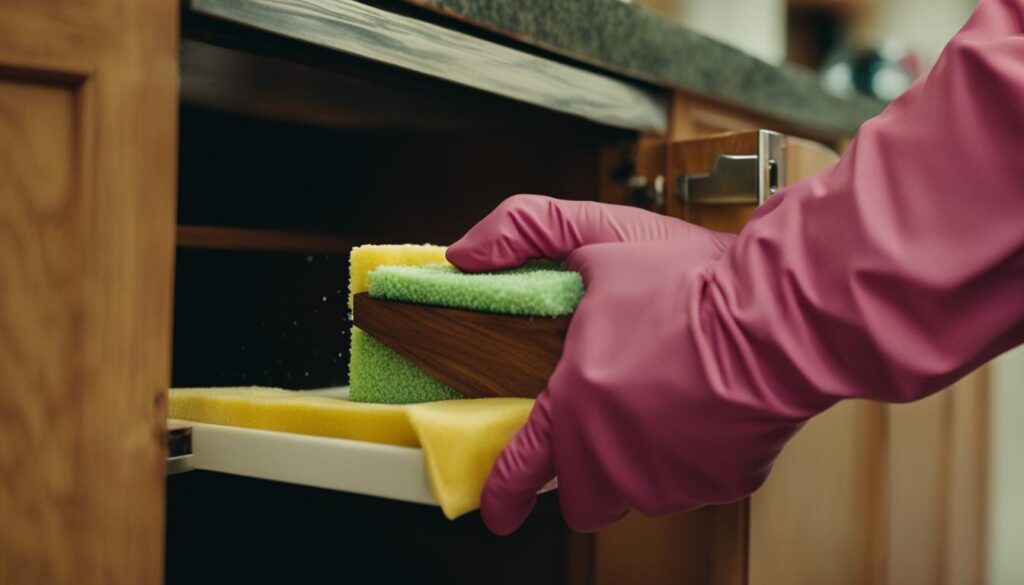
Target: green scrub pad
{"type": "Point", "coordinates": [377, 374]}
{"type": "Point", "coordinates": [537, 289]}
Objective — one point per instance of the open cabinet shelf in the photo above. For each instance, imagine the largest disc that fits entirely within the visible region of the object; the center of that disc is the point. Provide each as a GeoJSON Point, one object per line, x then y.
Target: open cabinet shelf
{"type": "Point", "coordinates": [359, 467]}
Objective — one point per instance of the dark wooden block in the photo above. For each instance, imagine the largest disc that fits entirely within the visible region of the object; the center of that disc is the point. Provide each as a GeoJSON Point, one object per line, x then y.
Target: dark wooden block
{"type": "Point", "coordinates": [478, 354]}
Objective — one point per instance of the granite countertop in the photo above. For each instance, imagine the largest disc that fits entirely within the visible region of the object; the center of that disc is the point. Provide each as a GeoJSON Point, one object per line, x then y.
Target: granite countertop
{"type": "Point", "coordinates": [637, 43]}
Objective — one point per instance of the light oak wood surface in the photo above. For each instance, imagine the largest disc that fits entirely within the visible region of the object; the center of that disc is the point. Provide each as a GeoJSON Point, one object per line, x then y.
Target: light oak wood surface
{"type": "Point", "coordinates": [87, 199]}
{"type": "Point", "coordinates": [937, 471]}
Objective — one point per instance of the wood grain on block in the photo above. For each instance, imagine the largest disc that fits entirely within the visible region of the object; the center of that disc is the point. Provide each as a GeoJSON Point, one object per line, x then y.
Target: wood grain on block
{"type": "Point", "coordinates": [478, 354]}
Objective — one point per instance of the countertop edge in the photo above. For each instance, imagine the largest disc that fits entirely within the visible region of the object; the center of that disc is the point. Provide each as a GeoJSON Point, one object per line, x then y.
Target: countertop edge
{"type": "Point", "coordinates": [637, 43]}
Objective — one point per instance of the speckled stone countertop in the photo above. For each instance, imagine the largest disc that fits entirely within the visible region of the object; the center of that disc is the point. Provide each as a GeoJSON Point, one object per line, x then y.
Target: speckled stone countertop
{"type": "Point", "coordinates": [635, 42]}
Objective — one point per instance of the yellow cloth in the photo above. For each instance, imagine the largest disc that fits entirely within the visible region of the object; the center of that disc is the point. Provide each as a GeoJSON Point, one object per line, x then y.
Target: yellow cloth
{"type": "Point", "coordinates": [363, 259]}
{"type": "Point", "coordinates": [460, 439]}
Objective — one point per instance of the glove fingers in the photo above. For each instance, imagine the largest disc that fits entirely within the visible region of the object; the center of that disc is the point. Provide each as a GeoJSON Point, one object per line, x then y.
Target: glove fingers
{"type": "Point", "coordinates": [524, 467]}
{"type": "Point", "coordinates": [524, 227]}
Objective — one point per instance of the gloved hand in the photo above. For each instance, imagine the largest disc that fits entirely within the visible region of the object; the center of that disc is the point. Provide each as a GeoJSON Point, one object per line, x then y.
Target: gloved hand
{"type": "Point", "coordinates": [888, 276]}
{"type": "Point", "coordinates": [525, 227]}
{"type": "Point", "coordinates": [629, 418]}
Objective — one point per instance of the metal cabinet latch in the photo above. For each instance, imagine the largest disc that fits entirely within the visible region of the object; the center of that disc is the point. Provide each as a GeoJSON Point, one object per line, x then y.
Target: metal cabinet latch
{"type": "Point", "coordinates": [739, 179]}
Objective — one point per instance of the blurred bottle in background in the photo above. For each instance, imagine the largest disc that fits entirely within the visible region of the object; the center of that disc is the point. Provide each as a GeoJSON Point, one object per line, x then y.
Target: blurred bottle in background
{"type": "Point", "coordinates": [757, 27]}
{"type": "Point", "coordinates": [884, 71]}
{"type": "Point", "coordinates": [876, 47]}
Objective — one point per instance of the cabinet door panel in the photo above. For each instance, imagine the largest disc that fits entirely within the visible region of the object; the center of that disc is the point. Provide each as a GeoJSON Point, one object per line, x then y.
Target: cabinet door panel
{"type": "Point", "coordinates": [87, 168]}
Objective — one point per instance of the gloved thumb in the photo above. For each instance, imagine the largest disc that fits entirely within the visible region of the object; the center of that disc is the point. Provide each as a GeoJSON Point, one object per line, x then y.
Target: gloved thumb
{"type": "Point", "coordinates": [525, 227]}
{"type": "Point", "coordinates": [524, 467]}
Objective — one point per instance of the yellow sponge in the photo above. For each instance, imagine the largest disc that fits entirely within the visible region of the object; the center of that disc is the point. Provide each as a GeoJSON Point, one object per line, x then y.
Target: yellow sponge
{"type": "Point", "coordinates": [460, 439]}
{"type": "Point", "coordinates": [366, 258]}
{"type": "Point", "coordinates": [274, 409]}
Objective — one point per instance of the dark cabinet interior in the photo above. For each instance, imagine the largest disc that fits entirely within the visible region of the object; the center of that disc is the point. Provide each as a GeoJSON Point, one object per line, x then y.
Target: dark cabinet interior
{"type": "Point", "coordinates": [287, 160]}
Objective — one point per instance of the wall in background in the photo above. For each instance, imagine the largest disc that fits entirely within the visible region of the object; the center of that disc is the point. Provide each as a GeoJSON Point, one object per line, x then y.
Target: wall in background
{"type": "Point", "coordinates": [923, 26]}
{"type": "Point", "coordinates": [757, 27]}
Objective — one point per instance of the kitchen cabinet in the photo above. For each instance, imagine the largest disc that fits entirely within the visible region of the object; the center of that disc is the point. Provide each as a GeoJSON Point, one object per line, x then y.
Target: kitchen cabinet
{"type": "Point", "coordinates": [87, 173]}
{"type": "Point", "coordinates": [305, 128]}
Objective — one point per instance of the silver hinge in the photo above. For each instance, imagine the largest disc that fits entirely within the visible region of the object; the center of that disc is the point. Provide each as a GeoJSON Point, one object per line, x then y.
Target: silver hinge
{"type": "Point", "coordinates": [740, 179]}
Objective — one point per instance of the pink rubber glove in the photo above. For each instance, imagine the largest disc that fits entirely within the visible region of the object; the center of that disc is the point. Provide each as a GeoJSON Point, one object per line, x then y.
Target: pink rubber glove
{"type": "Point", "coordinates": [627, 420]}
{"type": "Point", "coordinates": [888, 276]}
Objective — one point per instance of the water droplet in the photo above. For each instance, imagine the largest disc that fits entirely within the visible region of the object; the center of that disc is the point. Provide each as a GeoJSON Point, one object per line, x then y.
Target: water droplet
{"type": "Point", "coordinates": [306, 374]}
{"type": "Point", "coordinates": [295, 323]}
{"type": "Point", "coordinates": [324, 299]}
{"type": "Point", "coordinates": [309, 259]}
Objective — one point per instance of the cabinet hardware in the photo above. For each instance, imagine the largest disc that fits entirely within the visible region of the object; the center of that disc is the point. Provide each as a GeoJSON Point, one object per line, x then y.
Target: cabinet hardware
{"type": "Point", "coordinates": [739, 178]}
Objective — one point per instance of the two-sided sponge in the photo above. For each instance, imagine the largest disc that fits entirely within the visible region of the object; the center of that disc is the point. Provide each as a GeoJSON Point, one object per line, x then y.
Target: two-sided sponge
{"type": "Point", "coordinates": [377, 374]}
{"type": "Point", "coordinates": [537, 290]}
{"type": "Point", "coordinates": [364, 259]}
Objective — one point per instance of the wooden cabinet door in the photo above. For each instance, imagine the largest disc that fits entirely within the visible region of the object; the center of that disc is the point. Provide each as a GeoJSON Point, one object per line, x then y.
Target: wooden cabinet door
{"type": "Point", "coordinates": [87, 201]}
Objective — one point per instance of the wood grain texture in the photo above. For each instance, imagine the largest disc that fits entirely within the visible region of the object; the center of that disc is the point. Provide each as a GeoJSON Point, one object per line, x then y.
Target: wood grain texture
{"type": "Point", "coordinates": [917, 453]}
{"type": "Point", "coordinates": [408, 43]}
{"type": "Point", "coordinates": [87, 170]}
{"type": "Point", "coordinates": [968, 475]}
{"type": "Point", "coordinates": [478, 354]}
{"type": "Point", "coordinates": [938, 485]}
{"type": "Point", "coordinates": [816, 518]}
{"type": "Point", "coordinates": [703, 547]}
